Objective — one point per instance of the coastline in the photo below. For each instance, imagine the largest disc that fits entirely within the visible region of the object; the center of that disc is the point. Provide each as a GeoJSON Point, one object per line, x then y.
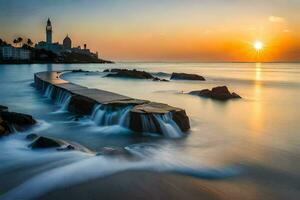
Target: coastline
{"type": "Point", "coordinates": [41, 62]}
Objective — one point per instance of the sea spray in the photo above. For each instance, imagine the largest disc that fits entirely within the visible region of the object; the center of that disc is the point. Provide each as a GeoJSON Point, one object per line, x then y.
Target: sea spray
{"type": "Point", "coordinates": [91, 168]}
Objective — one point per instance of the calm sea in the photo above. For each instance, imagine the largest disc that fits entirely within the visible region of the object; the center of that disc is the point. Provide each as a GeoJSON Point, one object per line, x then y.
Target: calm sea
{"type": "Point", "coordinates": [247, 148]}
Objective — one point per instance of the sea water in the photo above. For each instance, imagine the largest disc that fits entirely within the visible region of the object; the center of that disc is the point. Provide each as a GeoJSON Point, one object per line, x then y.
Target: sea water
{"type": "Point", "coordinates": [251, 141]}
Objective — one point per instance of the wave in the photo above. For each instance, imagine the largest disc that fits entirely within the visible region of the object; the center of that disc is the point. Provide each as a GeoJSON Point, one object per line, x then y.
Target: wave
{"type": "Point", "coordinates": [100, 166]}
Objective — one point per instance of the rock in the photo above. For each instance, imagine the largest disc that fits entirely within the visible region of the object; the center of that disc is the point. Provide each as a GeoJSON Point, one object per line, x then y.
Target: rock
{"type": "Point", "coordinates": [79, 70]}
{"type": "Point", "coordinates": [184, 76]}
{"type": "Point", "coordinates": [45, 142]}
{"type": "Point", "coordinates": [32, 136]}
{"type": "Point", "coordinates": [3, 108]}
{"type": "Point", "coordinates": [106, 70]}
{"type": "Point", "coordinates": [3, 131]}
{"type": "Point", "coordinates": [158, 79]}
{"type": "Point", "coordinates": [218, 93]}
{"type": "Point", "coordinates": [4, 128]}
{"type": "Point", "coordinates": [17, 118]}
{"type": "Point", "coordinates": [125, 73]}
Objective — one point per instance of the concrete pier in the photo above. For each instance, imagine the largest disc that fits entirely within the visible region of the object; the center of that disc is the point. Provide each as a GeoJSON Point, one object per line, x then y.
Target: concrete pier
{"type": "Point", "coordinates": [83, 100]}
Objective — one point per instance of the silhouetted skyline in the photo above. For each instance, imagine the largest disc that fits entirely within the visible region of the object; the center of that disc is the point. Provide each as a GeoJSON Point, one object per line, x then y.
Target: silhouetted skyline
{"type": "Point", "coordinates": [165, 30]}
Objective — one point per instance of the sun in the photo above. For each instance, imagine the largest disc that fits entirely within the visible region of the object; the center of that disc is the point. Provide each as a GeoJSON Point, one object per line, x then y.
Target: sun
{"type": "Point", "coordinates": [258, 45]}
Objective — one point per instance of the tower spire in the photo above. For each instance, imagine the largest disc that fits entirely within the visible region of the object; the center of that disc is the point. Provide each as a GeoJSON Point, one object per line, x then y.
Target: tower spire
{"type": "Point", "coordinates": [49, 32]}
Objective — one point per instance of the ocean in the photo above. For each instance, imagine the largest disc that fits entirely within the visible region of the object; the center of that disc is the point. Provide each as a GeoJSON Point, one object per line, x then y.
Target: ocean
{"type": "Point", "coordinates": [244, 148]}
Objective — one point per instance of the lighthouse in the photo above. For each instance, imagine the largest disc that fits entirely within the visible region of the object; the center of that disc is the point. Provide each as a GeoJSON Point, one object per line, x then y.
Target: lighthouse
{"type": "Point", "coordinates": [49, 32]}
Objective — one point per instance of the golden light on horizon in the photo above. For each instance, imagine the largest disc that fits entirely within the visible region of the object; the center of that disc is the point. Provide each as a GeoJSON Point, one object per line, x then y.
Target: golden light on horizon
{"type": "Point", "coordinates": [258, 45]}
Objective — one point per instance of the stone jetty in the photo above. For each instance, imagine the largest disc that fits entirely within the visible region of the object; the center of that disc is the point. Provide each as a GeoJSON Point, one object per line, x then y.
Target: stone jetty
{"type": "Point", "coordinates": [83, 101]}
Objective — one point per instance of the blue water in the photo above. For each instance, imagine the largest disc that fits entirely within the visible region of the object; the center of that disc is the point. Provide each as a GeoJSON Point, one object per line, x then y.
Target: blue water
{"type": "Point", "coordinates": [247, 147]}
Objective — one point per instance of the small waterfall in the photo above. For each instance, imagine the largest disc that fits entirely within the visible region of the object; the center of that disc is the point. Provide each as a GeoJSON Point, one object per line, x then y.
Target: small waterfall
{"type": "Point", "coordinates": [166, 124]}
{"type": "Point", "coordinates": [49, 91]}
{"type": "Point", "coordinates": [107, 115]}
{"type": "Point", "coordinates": [61, 97]}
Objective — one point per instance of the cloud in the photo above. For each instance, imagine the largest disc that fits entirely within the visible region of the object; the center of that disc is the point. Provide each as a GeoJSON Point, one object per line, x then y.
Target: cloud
{"type": "Point", "coordinates": [276, 19]}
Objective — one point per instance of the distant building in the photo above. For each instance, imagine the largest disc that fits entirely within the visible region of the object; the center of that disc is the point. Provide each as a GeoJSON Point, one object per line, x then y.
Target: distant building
{"type": "Point", "coordinates": [59, 49]}
{"type": "Point", "coordinates": [67, 43]}
{"type": "Point", "coordinates": [49, 32]}
{"type": "Point", "coordinates": [9, 52]}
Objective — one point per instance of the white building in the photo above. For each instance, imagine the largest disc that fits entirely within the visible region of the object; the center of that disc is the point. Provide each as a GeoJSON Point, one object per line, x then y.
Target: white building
{"type": "Point", "coordinates": [9, 52]}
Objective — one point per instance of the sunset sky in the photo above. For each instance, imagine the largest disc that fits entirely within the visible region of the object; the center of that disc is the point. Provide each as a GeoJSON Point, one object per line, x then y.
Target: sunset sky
{"type": "Point", "coordinates": [163, 30]}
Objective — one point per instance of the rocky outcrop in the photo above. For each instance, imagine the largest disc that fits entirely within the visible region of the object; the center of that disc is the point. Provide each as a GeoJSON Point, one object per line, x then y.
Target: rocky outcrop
{"type": "Point", "coordinates": [218, 93]}
{"type": "Point", "coordinates": [126, 73]}
{"type": "Point", "coordinates": [4, 129]}
{"type": "Point", "coordinates": [45, 142]}
{"type": "Point", "coordinates": [42, 142]}
{"type": "Point", "coordinates": [159, 79]}
{"type": "Point", "coordinates": [12, 119]}
{"type": "Point", "coordinates": [3, 108]}
{"type": "Point", "coordinates": [184, 76]}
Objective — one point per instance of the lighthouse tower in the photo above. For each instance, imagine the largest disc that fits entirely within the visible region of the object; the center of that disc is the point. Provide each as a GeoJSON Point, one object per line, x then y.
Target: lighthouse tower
{"type": "Point", "coordinates": [49, 32]}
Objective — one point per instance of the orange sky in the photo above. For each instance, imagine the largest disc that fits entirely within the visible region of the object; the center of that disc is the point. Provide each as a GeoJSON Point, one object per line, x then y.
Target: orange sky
{"type": "Point", "coordinates": [165, 30]}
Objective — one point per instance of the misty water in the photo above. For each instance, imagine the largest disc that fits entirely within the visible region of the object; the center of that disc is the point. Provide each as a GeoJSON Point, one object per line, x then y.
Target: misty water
{"type": "Point", "coordinates": [247, 148]}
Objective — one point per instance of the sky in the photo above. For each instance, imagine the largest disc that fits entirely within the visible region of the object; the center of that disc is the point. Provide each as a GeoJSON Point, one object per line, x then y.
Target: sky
{"type": "Point", "coordinates": [163, 30]}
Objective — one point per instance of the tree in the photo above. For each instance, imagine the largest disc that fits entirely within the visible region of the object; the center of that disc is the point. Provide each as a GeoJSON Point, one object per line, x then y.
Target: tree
{"type": "Point", "coordinates": [15, 41]}
{"type": "Point", "coordinates": [29, 42]}
{"type": "Point", "coordinates": [20, 40]}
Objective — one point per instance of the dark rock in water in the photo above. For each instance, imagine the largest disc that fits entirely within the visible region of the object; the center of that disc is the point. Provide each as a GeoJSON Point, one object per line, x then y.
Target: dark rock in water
{"type": "Point", "coordinates": [184, 76]}
{"type": "Point", "coordinates": [32, 136]}
{"type": "Point", "coordinates": [205, 92]}
{"type": "Point", "coordinates": [3, 108]}
{"type": "Point", "coordinates": [106, 70]}
{"type": "Point", "coordinates": [79, 70]}
{"type": "Point", "coordinates": [17, 118]}
{"type": "Point", "coordinates": [125, 73]}
{"type": "Point", "coordinates": [11, 119]}
{"type": "Point", "coordinates": [182, 120]}
{"type": "Point", "coordinates": [219, 93]}
{"type": "Point", "coordinates": [158, 79]}
{"type": "Point", "coordinates": [4, 129]}
{"type": "Point", "coordinates": [60, 145]}
{"type": "Point", "coordinates": [44, 142]}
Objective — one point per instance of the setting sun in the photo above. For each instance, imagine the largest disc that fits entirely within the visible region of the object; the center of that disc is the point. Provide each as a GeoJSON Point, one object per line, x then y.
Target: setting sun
{"type": "Point", "coordinates": [258, 45]}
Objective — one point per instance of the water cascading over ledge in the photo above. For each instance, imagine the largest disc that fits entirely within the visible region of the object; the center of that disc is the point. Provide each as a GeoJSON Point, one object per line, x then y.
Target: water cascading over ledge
{"type": "Point", "coordinates": [108, 108]}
